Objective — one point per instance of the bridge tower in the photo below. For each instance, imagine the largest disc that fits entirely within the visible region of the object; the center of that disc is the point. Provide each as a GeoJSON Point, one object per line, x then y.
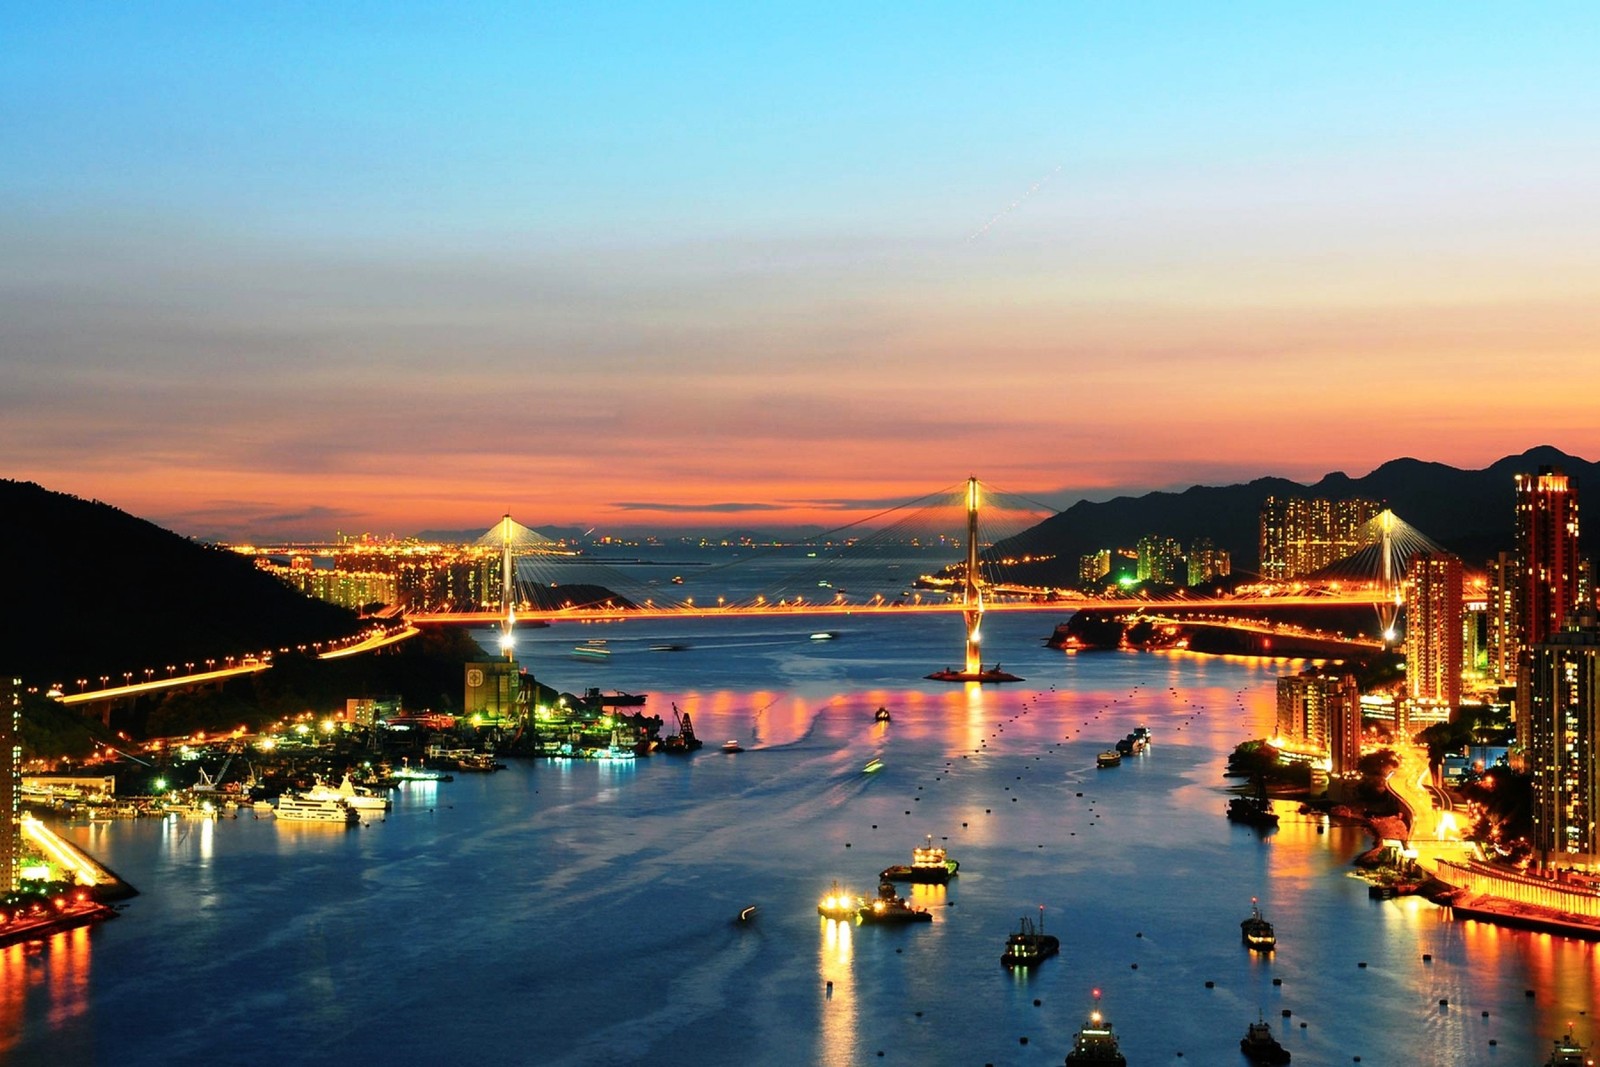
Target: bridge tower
{"type": "Point", "coordinates": [508, 639]}
{"type": "Point", "coordinates": [972, 590]}
{"type": "Point", "coordinates": [1389, 606]}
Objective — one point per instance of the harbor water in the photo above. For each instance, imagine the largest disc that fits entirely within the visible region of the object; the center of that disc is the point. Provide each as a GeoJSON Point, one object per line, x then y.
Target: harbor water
{"type": "Point", "coordinates": [588, 913]}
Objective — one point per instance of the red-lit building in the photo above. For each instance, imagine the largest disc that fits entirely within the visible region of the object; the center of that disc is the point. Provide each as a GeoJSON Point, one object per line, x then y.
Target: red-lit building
{"type": "Point", "coordinates": [1547, 553]}
{"type": "Point", "coordinates": [1433, 629]}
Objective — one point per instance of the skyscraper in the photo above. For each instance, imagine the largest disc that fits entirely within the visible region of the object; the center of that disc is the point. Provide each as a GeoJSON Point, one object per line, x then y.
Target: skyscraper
{"type": "Point", "coordinates": [1300, 536]}
{"type": "Point", "coordinates": [1547, 553]}
{"type": "Point", "coordinates": [10, 783]}
{"type": "Point", "coordinates": [1501, 609]}
{"type": "Point", "coordinates": [1559, 692]}
{"type": "Point", "coordinates": [1433, 629]}
{"type": "Point", "coordinates": [1322, 711]}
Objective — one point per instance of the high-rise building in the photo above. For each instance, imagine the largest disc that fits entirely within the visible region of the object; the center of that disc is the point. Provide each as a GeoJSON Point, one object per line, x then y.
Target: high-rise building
{"type": "Point", "coordinates": [10, 783]}
{"type": "Point", "coordinates": [1300, 536]}
{"type": "Point", "coordinates": [1159, 559]}
{"type": "Point", "coordinates": [1501, 610]}
{"type": "Point", "coordinates": [1433, 629]}
{"type": "Point", "coordinates": [1207, 562]}
{"type": "Point", "coordinates": [1559, 697]}
{"type": "Point", "coordinates": [1322, 711]}
{"type": "Point", "coordinates": [1093, 567]}
{"type": "Point", "coordinates": [1547, 553]}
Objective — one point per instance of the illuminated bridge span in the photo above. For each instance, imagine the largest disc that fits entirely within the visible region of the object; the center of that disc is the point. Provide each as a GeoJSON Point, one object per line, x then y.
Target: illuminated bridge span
{"type": "Point", "coordinates": [945, 552]}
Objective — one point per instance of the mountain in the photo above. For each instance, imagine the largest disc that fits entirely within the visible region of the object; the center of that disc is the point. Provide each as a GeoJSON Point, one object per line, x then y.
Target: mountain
{"type": "Point", "coordinates": [88, 590]}
{"type": "Point", "coordinates": [1469, 512]}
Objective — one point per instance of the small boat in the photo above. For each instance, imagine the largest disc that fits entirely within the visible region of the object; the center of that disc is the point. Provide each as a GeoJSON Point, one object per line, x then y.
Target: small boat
{"type": "Point", "coordinates": [1096, 1043]}
{"type": "Point", "coordinates": [1109, 758]}
{"type": "Point", "coordinates": [873, 764]}
{"type": "Point", "coordinates": [839, 904]}
{"type": "Point", "coordinates": [881, 715]}
{"type": "Point", "coordinates": [732, 746]}
{"type": "Point", "coordinates": [1568, 1053]}
{"type": "Point", "coordinates": [747, 914]}
{"type": "Point", "coordinates": [1256, 931]}
{"type": "Point", "coordinates": [929, 865]}
{"type": "Point", "coordinates": [1252, 811]}
{"type": "Point", "coordinates": [1028, 946]}
{"type": "Point", "coordinates": [668, 648]}
{"type": "Point", "coordinates": [595, 649]}
{"type": "Point", "coordinates": [824, 635]}
{"type": "Point", "coordinates": [889, 907]}
{"type": "Point", "coordinates": [1259, 1046]}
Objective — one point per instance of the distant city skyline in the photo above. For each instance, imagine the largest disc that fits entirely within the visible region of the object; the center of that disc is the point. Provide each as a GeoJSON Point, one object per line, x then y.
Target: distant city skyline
{"type": "Point", "coordinates": [276, 273]}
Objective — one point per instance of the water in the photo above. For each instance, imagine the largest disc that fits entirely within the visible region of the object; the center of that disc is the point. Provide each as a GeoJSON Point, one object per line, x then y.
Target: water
{"type": "Point", "coordinates": [585, 913]}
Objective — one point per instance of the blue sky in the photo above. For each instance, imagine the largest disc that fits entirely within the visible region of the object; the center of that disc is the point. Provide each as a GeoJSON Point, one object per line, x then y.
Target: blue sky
{"type": "Point", "coordinates": [387, 265]}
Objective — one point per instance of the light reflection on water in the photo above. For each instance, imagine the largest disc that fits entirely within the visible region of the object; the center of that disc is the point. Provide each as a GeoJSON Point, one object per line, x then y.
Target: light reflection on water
{"type": "Point", "coordinates": [602, 896]}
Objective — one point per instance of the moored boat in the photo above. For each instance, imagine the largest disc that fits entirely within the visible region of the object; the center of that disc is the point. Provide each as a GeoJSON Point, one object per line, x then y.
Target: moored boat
{"type": "Point", "coordinates": [1096, 1042]}
{"type": "Point", "coordinates": [300, 808]}
{"type": "Point", "coordinates": [1028, 946]}
{"type": "Point", "coordinates": [1259, 1046]}
{"type": "Point", "coordinates": [1568, 1053]}
{"type": "Point", "coordinates": [1256, 931]}
{"type": "Point", "coordinates": [1109, 758]}
{"type": "Point", "coordinates": [1252, 811]}
{"type": "Point", "coordinates": [839, 903]}
{"type": "Point", "coordinates": [889, 907]}
{"type": "Point", "coordinates": [929, 865]}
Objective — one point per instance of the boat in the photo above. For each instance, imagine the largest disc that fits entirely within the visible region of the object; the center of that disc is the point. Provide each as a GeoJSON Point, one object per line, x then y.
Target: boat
{"type": "Point", "coordinates": [1259, 1046]}
{"type": "Point", "coordinates": [301, 808]}
{"type": "Point", "coordinates": [407, 773]}
{"type": "Point", "coordinates": [929, 865]}
{"type": "Point", "coordinates": [347, 793]}
{"type": "Point", "coordinates": [1096, 1042]}
{"type": "Point", "coordinates": [595, 649]}
{"type": "Point", "coordinates": [262, 808]}
{"type": "Point", "coordinates": [982, 674]}
{"type": "Point", "coordinates": [881, 715]}
{"type": "Point", "coordinates": [1256, 931]}
{"type": "Point", "coordinates": [732, 746]}
{"type": "Point", "coordinates": [1109, 758]}
{"type": "Point", "coordinates": [1252, 811]}
{"type": "Point", "coordinates": [824, 635]}
{"type": "Point", "coordinates": [1568, 1053]}
{"type": "Point", "coordinates": [479, 763]}
{"type": "Point", "coordinates": [594, 698]}
{"type": "Point", "coordinates": [684, 741]}
{"type": "Point", "coordinates": [839, 904]}
{"type": "Point", "coordinates": [889, 907]}
{"type": "Point", "coordinates": [671, 647]}
{"type": "Point", "coordinates": [873, 764]}
{"type": "Point", "coordinates": [1029, 946]}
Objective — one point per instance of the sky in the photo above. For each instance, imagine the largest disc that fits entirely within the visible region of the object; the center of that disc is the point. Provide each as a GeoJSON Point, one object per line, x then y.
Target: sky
{"type": "Point", "coordinates": [273, 270]}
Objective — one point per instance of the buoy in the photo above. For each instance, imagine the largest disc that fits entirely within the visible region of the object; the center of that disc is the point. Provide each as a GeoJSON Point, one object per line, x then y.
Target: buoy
{"type": "Point", "coordinates": [1427, 957]}
{"type": "Point", "coordinates": [1036, 1003]}
{"type": "Point", "coordinates": [1444, 1002]}
{"type": "Point", "coordinates": [1277, 981]}
{"type": "Point", "coordinates": [1211, 985]}
{"type": "Point", "coordinates": [1363, 963]}
{"type": "Point", "coordinates": [1022, 1041]}
{"type": "Point", "coordinates": [1287, 1013]}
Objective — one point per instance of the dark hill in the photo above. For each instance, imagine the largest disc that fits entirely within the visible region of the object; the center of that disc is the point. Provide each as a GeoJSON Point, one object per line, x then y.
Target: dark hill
{"type": "Point", "coordinates": [1467, 511]}
{"type": "Point", "coordinates": [89, 590]}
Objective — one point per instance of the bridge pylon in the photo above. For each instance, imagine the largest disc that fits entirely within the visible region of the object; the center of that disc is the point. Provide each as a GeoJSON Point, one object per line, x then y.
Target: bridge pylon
{"type": "Point", "coordinates": [972, 607]}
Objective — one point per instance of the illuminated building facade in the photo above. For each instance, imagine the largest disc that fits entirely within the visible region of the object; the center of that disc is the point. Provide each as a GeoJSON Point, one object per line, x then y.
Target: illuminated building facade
{"type": "Point", "coordinates": [1093, 567]}
{"type": "Point", "coordinates": [1301, 536]}
{"type": "Point", "coordinates": [1500, 609]}
{"type": "Point", "coordinates": [1559, 692]}
{"type": "Point", "coordinates": [1207, 562]}
{"type": "Point", "coordinates": [494, 690]}
{"type": "Point", "coordinates": [1547, 553]}
{"type": "Point", "coordinates": [1322, 711]}
{"type": "Point", "coordinates": [1433, 629]}
{"type": "Point", "coordinates": [10, 783]}
{"type": "Point", "coordinates": [1160, 559]}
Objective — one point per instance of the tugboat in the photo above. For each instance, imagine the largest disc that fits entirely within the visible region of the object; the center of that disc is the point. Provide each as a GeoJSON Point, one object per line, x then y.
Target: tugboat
{"type": "Point", "coordinates": [1109, 758]}
{"type": "Point", "coordinates": [732, 746]}
{"type": "Point", "coordinates": [1568, 1053]}
{"type": "Point", "coordinates": [892, 908]}
{"type": "Point", "coordinates": [1028, 946]}
{"type": "Point", "coordinates": [1096, 1043]}
{"type": "Point", "coordinates": [929, 865]}
{"type": "Point", "coordinates": [1259, 1046]}
{"type": "Point", "coordinates": [881, 715]}
{"type": "Point", "coordinates": [1256, 931]}
{"type": "Point", "coordinates": [839, 904]}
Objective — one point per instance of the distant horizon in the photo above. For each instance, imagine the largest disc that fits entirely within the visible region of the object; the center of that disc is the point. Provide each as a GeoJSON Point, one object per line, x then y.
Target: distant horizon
{"type": "Point", "coordinates": [273, 272]}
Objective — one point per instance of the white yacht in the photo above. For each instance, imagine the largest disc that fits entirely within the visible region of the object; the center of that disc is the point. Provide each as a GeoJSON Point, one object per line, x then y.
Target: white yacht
{"type": "Point", "coordinates": [304, 808]}
{"type": "Point", "coordinates": [347, 792]}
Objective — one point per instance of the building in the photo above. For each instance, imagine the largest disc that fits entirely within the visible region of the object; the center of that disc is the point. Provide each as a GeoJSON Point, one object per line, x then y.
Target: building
{"type": "Point", "coordinates": [1434, 629]}
{"type": "Point", "coordinates": [1093, 567]}
{"type": "Point", "coordinates": [1207, 562]}
{"type": "Point", "coordinates": [495, 690]}
{"type": "Point", "coordinates": [1501, 615]}
{"type": "Point", "coordinates": [10, 783]}
{"type": "Point", "coordinates": [1159, 559]}
{"type": "Point", "coordinates": [1548, 568]}
{"type": "Point", "coordinates": [1301, 536]}
{"type": "Point", "coordinates": [1322, 712]}
{"type": "Point", "coordinates": [1559, 694]}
